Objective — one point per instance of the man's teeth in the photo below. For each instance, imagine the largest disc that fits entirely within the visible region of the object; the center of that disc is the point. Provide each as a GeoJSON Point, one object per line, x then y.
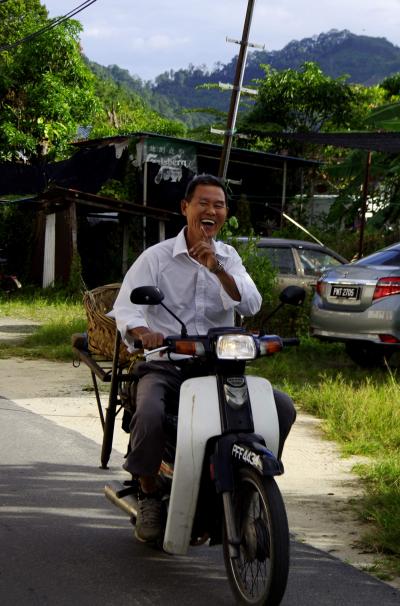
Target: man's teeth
{"type": "Point", "coordinates": [207, 222]}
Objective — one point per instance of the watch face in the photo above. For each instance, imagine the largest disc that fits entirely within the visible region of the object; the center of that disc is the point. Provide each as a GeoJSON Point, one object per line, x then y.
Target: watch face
{"type": "Point", "coordinates": [219, 267]}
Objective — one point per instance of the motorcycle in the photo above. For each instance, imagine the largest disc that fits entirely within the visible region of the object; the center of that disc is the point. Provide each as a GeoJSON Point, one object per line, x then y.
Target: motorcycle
{"type": "Point", "coordinates": [8, 283]}
{"type": "Point", "coordinates": [220, 463]}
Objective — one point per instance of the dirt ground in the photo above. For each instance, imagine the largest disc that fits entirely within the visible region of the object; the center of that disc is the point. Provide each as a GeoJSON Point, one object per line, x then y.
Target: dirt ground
{"type": "Point", "coordinates": [318, 485]}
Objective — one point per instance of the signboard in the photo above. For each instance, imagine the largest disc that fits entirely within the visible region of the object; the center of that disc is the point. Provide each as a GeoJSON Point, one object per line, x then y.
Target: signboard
{"type": "Point", "coordinates": [172, 156]}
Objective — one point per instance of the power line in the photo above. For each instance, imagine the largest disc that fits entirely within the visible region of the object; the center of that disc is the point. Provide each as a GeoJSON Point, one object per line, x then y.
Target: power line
{"type": "Point", "coordinates": [54, 23]}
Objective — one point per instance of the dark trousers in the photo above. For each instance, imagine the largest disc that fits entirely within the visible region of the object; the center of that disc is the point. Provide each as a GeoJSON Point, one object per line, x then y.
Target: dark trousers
{"type": "Point", "coordinates": [158, 387]}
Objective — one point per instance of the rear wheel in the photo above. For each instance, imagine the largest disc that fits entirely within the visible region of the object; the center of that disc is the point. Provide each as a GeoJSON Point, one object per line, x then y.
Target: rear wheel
{"type": "Point", "coordinates": [259, 575]}
{"type": "Point", "coordinates": [368, 355]}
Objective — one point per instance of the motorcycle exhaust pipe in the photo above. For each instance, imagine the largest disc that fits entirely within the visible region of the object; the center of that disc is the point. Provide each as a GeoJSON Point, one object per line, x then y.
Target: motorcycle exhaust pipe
{"type": "Point", "coordinates": [126, 502]}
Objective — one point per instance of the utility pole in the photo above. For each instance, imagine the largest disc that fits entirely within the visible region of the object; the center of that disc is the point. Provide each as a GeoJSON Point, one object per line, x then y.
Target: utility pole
{"type": "Point", "coordinates": [235, 97]}
{"type": "Point", "coordinates": [364, 200]}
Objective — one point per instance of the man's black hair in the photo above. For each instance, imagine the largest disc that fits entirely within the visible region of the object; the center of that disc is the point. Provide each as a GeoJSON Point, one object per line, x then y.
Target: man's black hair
{"type": "Point", "coordinates": [205, 179]}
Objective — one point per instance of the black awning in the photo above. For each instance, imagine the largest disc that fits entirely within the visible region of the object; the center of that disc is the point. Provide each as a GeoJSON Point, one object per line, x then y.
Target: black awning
{"type": "Point", "coordinates": [59, 195]}
{"type": "Point", "coordinates": [371, 141]}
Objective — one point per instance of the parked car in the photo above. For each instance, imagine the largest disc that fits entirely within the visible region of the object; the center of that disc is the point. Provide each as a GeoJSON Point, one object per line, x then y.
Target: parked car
{"type": "Point", "coordinates": [297, 262]}
{"type": "Point", "coordinates": [359, 304]}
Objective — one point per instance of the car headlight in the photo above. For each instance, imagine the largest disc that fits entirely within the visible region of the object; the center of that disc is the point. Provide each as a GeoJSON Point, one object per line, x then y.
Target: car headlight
{"type": "Point", "coordinates": [236, 347]}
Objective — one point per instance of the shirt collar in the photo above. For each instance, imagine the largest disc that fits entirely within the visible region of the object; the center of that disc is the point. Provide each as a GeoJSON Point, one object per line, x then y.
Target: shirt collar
{"type": "Point", "coordinates": [180, 246]}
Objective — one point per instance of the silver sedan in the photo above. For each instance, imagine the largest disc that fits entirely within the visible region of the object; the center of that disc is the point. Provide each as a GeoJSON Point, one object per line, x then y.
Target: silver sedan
{"type": "Point", "coordinates": [359, 304]}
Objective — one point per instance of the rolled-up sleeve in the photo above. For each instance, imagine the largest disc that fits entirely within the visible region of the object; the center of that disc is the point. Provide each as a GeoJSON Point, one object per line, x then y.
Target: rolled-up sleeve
{"type": "Point", "coordinates": [128, 315]}
{"type": "Point", "coordinates": [250, 298]}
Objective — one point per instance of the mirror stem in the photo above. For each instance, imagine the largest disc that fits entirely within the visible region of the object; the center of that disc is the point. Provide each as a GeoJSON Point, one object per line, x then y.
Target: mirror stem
{"type": "Point", "coordinates": [184, 329]}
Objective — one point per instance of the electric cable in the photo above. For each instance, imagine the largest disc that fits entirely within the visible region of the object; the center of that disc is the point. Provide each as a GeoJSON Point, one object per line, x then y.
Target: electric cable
{"type": "Point", "coordinates": [54, 23]}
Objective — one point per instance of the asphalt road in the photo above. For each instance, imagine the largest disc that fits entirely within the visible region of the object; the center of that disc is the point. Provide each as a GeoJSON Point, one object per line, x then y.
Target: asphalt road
{"type": "Point", "coordinates": [63, 543]}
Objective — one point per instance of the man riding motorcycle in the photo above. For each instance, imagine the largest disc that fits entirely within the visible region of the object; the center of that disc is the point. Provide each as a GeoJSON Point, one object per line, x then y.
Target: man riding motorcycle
{"type": "Point", "coordinates": [205, 282]}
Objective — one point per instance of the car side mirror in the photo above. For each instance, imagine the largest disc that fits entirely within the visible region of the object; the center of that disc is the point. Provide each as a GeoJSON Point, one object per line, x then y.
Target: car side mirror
{"type": "Point", "coordinates": [147, 295]}
{"type": "Point", "coordinates": [292, 295]}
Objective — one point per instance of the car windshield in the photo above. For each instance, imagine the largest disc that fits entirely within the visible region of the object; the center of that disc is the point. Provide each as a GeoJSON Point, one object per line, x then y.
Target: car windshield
{"type": "Point", "coordinates": [315, 262]}
{"type": "Point", "coordinates": [383, 257]}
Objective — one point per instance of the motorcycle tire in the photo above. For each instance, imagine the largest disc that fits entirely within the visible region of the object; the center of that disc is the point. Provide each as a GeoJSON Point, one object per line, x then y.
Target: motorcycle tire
{"type": "Point", "coordinates": [259, 575]}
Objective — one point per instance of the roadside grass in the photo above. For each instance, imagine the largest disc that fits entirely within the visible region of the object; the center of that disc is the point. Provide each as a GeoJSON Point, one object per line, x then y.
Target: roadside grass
{"type": "Point", "coordinates": [58, 319]}
{"type": "Point", "coordinates": [360, 408]}
{"type": "Point", "coordinates": [42, 307]}
{"type": "Point", "coordinates": [51, 341]}
{"type": "Point", "coordinates": [361, 412]}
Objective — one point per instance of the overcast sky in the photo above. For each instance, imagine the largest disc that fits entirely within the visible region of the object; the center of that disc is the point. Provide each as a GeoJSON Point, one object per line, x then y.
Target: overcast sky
{"type": "Point", "coordinates": [153, 36]}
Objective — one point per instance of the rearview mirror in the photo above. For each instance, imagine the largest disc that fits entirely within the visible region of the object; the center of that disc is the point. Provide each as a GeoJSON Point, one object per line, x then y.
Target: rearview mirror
{"type": "Point", "coordinates": [292, 295]}
{"type": "Point", "coordinates": [146, 295]}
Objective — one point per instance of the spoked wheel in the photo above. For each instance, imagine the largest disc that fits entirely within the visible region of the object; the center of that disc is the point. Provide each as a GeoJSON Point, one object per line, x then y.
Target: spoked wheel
{"type": "Point", "coordinates": [259, 575]}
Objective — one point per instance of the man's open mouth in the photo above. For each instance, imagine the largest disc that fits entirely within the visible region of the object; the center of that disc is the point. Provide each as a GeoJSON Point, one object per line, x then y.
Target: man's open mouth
{"type": "Point", "coordinates": [207, 222]}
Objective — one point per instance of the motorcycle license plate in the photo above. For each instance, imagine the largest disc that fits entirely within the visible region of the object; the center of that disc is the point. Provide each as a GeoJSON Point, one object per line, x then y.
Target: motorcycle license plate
{"type": "Point", "coordinates": [345, 292]}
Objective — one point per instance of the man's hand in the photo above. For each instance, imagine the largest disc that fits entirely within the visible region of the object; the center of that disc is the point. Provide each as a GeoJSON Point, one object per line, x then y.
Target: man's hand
{"type": "Point", "coordinates": [203, 250]}
{"type": "Point", "coordinates": [149, 339]}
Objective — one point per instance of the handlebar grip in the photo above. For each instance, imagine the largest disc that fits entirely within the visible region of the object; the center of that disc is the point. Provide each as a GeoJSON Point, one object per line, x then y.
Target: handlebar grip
{"type": "Point", "coordinates": [290, 341]}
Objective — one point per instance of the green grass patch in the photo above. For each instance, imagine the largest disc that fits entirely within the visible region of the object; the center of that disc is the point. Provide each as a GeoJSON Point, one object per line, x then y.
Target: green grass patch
{"type": "Point", "coordinates": [361, 412]}
{"type": "Point", "coordinates": [59, 317]}
{"type": "Point", "coordinates": [381, 506]}
{"type": "Point", "coordinates": [42, 308]}
{"type": "Point", "coordinates": [51, 341]}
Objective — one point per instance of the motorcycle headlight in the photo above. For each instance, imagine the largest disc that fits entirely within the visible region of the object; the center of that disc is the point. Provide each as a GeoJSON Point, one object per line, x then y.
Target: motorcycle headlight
{"type": "Point", "coordinates": [236, 347]}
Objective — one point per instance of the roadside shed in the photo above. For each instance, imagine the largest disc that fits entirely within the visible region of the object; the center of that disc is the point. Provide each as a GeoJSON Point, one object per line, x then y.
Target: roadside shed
{"type": "Point", "coordinates": [117, 195]}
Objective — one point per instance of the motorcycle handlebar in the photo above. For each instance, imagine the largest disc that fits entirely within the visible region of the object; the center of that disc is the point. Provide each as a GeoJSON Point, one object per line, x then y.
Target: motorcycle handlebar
{"type": "Point", "coordinates": [290, 341]}
{"type": "Point", "coordinates": [286, 342]}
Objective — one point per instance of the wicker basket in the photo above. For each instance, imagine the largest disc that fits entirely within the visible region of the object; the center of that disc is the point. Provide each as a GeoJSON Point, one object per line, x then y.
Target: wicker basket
{"type": "Point", "coordinates": [102, 329]}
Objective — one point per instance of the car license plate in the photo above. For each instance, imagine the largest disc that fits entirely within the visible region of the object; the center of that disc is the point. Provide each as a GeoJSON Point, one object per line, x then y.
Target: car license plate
{"type": "Point", "coordinates": [345, 292]}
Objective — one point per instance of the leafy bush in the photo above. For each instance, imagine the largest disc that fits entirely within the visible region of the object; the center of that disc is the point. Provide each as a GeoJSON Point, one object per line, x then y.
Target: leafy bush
{"type": "Point", "coordinates": [258, 266]}
{"type": "Point", "coordinates": [289, 321]}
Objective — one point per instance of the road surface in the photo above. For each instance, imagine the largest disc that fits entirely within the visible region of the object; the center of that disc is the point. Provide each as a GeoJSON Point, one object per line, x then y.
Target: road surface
{"type": "Point", "coordinates": [62, 543]}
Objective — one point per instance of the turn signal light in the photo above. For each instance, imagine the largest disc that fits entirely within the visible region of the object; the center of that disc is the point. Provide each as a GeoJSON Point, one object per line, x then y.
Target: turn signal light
{"type": "Point", "coordinates": [269, 345]}
{"type": "Point", "coordinates": [189, 348]}
{"type": "Point", "coordinates": [319, 288]}
{"type": "Point", "coordinates": [386, 287]}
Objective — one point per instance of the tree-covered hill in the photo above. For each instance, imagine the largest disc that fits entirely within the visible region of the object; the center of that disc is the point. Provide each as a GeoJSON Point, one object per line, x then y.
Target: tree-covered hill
{"type": "Point", "coordinates": [365, 59]}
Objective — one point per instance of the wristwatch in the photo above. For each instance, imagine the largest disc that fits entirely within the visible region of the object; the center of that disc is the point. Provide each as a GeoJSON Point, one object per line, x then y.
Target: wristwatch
{"type": "Point", "coordinates": [218, 268]}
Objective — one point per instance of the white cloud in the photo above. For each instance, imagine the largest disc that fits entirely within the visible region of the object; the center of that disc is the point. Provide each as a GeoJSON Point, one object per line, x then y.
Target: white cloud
{"type": "Point", "coordinates": [161, 41]}
{"type": "Point", "coordinates": [152, 37]}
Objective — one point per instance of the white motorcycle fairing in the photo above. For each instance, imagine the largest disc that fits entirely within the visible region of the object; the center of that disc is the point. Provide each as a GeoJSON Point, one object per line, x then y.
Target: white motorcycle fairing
{"type": "Point", "coordinates": [198, 421]}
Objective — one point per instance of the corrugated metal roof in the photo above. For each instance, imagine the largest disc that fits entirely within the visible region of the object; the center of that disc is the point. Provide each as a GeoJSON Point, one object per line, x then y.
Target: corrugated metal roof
{"type": "Point", "coordinates": [388, 142]}
{"type": "Point", "coordinates": [238, 154]}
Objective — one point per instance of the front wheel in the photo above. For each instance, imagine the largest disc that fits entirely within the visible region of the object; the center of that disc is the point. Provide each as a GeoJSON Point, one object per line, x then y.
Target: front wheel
{"type": "Point", "coordinates": [259, 575]}
{"type": "Point", "coordinates": [368, 355]}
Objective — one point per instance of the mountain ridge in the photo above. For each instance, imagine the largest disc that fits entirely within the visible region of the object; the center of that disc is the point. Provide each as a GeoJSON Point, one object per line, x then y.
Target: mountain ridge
{"type": "Point", "coordinates": [363, 59]}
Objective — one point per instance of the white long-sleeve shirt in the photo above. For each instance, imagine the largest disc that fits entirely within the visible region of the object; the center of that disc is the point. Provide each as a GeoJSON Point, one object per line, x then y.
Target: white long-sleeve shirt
{"type": "Point", "coordinates": [191, 291]}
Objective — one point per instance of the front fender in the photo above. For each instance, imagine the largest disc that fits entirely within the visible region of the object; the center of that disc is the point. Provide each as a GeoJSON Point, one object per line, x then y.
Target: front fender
{"type": "Point", "coordinates": [235, 450]}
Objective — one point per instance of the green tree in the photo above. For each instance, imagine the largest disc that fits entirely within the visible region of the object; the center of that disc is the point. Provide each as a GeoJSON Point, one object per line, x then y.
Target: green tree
{"type": "Point", "coordinates": [123, 111]}
{"type": "Point", "coordinates": [301, 100]}
{"type": "Point", "coordinates": [46, 89]}
{"type": "Point", "coordinates": [384, 176]}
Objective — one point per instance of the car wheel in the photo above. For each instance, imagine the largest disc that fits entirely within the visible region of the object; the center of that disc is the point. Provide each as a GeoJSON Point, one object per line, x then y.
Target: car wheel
{"type": "Point", "coordinates": [368, 355]}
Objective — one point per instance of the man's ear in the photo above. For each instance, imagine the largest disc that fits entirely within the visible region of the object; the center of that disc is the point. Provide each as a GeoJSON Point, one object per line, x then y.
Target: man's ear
{"type": "Point", "coordinates": [184, 204]}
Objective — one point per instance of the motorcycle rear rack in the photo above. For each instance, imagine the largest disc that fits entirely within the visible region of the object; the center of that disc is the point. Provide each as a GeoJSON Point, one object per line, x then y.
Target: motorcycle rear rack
{"type": "Point", "coordinates": [107, 371]}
